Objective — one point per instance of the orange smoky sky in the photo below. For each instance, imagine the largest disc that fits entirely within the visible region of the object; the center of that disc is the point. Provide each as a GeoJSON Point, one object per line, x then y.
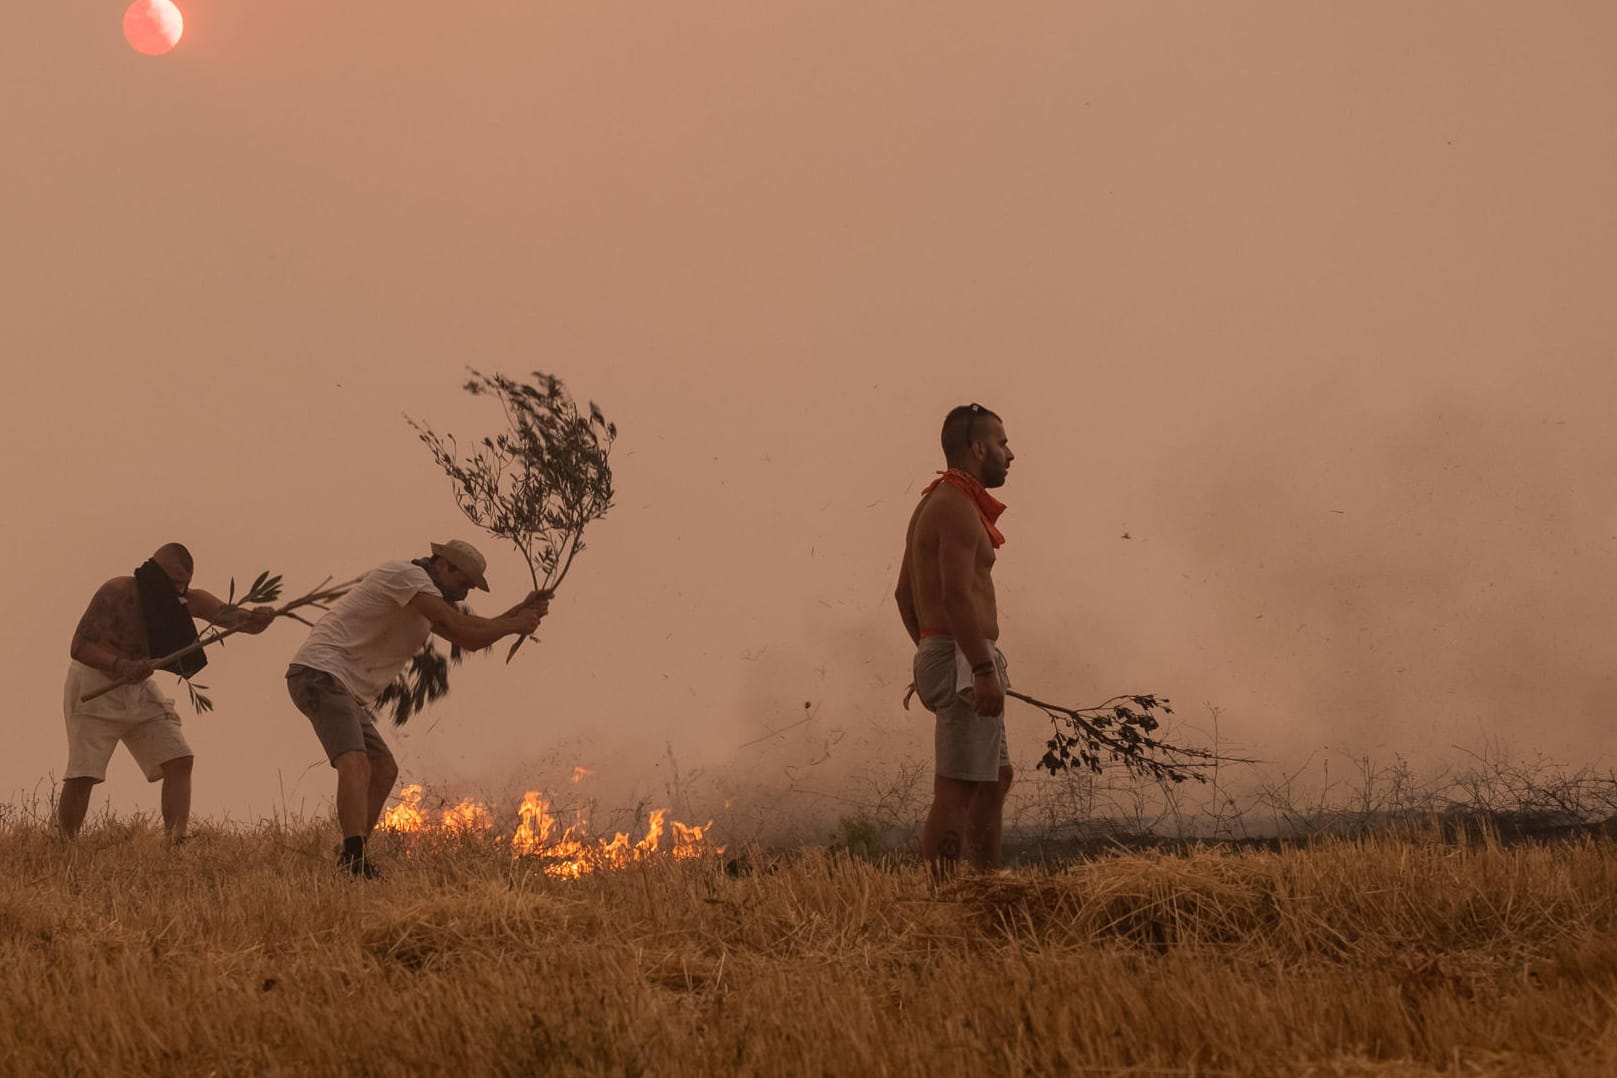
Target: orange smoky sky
{"type": "Point", "coordinates": [1298, 316]}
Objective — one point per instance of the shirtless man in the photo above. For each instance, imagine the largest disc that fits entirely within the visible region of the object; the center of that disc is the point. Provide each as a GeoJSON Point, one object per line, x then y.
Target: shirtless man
{"type": "Point", "coordinates": [361, 644]}
{"type": "Point", "coordinates": [113, 646]}
{"type": "Point", "coordinates": [946, 600]}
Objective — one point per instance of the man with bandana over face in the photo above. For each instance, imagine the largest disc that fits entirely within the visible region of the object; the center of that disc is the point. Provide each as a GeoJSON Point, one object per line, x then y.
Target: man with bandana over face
{"type": "Point", "coordinates": [361, 644]}
{"type": "Point", "coordinates": [946, 601]}
{"type": "Point", "coordinates": [130, 621]}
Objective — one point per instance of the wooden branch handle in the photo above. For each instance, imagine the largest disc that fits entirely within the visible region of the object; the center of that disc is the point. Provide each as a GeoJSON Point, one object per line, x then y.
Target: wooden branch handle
{"type": "Point", "coordinates": [197, 645]}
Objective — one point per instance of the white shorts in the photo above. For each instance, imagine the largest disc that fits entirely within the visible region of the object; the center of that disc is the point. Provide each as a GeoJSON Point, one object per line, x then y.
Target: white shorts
{"type": "Point", "coordinates": [137, 714]}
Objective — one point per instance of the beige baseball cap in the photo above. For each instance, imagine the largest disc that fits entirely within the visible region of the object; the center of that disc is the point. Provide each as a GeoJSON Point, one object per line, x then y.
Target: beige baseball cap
{"type": "Point", "coordinates": [465, 557]}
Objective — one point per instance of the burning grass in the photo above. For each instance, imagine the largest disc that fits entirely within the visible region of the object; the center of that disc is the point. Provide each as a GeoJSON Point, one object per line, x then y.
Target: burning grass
{"type": "Point", "coordinates": [569, 853]}
{"type": "Point", "coordinates": [243, 952]}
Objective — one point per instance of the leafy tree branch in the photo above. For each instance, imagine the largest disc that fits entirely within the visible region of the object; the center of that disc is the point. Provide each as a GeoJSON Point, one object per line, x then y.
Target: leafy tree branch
{"type": "Point", "coordinates": [537, 485]}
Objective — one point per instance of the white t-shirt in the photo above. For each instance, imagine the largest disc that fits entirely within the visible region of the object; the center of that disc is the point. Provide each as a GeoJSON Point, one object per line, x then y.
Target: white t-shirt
{"type": "Point", "coordinates": [367, 637]}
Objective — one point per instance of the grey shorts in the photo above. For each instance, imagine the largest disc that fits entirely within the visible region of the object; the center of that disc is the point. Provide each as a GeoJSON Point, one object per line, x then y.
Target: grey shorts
{"type": "Point", "coordinates": [969, 746]}
{"type": "Point", "coordinates": [342, 723]}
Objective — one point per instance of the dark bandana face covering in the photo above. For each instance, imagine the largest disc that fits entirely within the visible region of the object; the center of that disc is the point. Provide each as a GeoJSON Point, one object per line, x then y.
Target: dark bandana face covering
{"type": "Point", "coordinates": [168, 623]}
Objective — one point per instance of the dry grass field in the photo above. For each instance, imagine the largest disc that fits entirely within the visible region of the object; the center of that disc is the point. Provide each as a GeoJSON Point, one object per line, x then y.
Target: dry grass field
{"type": "Point", "coordinates": [242, 952]}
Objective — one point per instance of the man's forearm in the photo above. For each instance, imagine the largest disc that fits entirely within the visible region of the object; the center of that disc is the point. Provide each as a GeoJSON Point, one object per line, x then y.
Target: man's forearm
{"type": "Point", "coordinates": [478, 633]}
{"type": "Point", "coordinates": [514, 611]}
{"type": "Point", "coordinates": [94, 653]}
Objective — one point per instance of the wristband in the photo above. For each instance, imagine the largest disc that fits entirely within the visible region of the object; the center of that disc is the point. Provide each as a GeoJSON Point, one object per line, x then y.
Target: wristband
{"type": "Point", "coordinates": [983, 668]}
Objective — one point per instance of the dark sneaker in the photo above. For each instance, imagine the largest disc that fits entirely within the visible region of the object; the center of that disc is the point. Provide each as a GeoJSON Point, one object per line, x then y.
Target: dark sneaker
{"type": "Point", "coordinates": [361, 868]}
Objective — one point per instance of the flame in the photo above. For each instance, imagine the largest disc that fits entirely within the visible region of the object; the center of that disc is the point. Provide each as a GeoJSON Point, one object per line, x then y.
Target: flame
{"type": "Point", "coordinates": [468, 816]}
{"type": "Point", "coordinates": [571, 854]}
{"type": "Point", "coordinates": [580, 773]}
{"type": "Point", "coordinates": [691, 841]}
{"type": "Point", "coordinates": [407, 814]}
{"type": "Point", "coordinates": [409, 817]}
{"type": "Point", "coordinates": [536, 826]}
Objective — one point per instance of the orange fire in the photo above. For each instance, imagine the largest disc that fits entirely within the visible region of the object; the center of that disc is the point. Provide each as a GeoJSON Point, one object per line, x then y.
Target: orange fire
{"type": "Point", "coordinates": [573, 854]}
{"type": "Point", "coordinates": [570, 854]}
{"type": "Point", "coordinates": [408, 816]}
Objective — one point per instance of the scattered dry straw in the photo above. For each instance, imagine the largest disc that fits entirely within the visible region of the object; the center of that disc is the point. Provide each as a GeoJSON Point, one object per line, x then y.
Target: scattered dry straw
{"type": "Point", "coordinates": [244, 953]}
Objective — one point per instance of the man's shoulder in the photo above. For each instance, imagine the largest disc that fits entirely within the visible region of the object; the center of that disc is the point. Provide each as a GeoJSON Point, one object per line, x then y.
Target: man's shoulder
{"type": "Point", "coordinates": [398, 570]}
{"type": "Point", "coordinates": [399, 582]}
{"type": "Point", "coordinates": [119, 587]}
{"type": "Point", "coordinates": [946, 503]}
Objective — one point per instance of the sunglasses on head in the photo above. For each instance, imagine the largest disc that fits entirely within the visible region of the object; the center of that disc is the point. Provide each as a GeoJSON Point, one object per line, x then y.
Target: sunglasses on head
{"type": "Point", "coordinates": [975, 410]}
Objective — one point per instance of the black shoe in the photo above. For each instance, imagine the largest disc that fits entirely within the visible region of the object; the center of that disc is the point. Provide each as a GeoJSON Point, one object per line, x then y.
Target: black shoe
{"type": "Point", "coordinates": [361, 868]}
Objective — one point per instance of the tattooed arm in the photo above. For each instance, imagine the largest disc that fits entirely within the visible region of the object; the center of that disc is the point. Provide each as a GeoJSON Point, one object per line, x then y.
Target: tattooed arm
{"type": "Point", "coordinates": [209, 608]}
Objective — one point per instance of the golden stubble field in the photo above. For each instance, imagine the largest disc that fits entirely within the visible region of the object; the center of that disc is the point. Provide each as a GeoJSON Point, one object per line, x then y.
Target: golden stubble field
{"type": "Point", "coordinates": [242, 952]}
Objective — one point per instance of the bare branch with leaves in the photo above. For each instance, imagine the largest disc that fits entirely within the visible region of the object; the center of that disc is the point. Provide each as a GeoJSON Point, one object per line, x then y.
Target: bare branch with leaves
{"type": "Point", "coordinates": [537, 485]}
{"type": "Point", "coordinates": [1122, 730]}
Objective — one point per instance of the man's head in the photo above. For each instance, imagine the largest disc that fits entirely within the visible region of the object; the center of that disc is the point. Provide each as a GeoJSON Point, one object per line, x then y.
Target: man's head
{"type": "Point", "coordinates": [974, 441]}
{"type": "Point", "coordinates": [177, 565]}
{"type": "Point", "coordinates": [457, 566]}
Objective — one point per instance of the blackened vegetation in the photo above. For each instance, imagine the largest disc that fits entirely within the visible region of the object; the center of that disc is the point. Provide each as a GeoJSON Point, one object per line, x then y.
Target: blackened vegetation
{"type": "Point", "coordinates": [1122, 730]}
{"type": "Point", "coordinates": [537, 485]}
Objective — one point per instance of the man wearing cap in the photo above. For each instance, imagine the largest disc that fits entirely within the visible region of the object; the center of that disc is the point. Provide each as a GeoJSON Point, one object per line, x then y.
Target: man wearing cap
{"type": "Point", "coordinates": [362, 643]}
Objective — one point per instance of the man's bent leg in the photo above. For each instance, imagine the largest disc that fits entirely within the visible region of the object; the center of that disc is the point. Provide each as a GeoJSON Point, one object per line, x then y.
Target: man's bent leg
{"type": "Point", "coordinates": [943, 835]}
{"type": "Point", "coordinates": [73, 804]}
{"type": "Point", "coordinates": [176, 796]}
{"type": "Point", "coordinates": [985, 821]}
{"type": "Point", "coordinates": [384, 772]}
{"type": "Point", "coordinates": [353, 786]}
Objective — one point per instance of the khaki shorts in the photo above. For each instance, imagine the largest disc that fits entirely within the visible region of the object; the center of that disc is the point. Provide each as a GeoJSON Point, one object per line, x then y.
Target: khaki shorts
{"type": "Point", "coordinates": [137, 714]}
{"type": "Point", "coordinates": [969, 746]}
{"type": "Point", "coordinates": [341, 722]}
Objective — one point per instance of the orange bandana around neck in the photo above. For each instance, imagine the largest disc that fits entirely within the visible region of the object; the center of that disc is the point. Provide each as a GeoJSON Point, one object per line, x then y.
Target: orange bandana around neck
{"type": "Point", "coordinates": [988, 507]}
